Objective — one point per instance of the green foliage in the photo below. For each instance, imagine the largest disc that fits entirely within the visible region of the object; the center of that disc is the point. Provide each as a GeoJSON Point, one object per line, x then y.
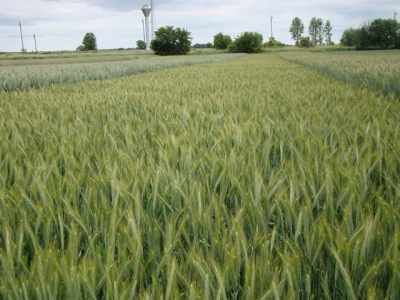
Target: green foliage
{"type": "Point", "coordinates": [247, 42]}
{"type": "Point", "coordinates": [306, 42]}
{"type": "Point", "coordinates": [273, 43]}
{"type": "Point", "coordinates": [171, 41]}
{"type": "Point", "coordinates": [350, 37]}
{"type": "Point", "coordinates": [383, 32]}
{"type": "Point", "coordinates": [364, 38]}
{"type": "Point", "coordinates": [327, 31]}
{"type": "Point", "coordinates": [296, 29]}
{"type": "Point", "coordinates": [202, 46]}
{"type": "Point", "coordinates": [140, 44]}
{"type": "Point", "coordinates": [378, 34]}
{"type": "Point", "coordinates": [221, 41]}
{"type": "Point", "coordinates": [89, 42]}
{"type": "Point", "coordinates": [316, 30]}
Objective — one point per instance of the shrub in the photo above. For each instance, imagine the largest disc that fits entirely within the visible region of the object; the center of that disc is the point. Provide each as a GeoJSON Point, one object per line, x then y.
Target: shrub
{"type": "Point", "coordinates": [247, 42]}
{"type": "Point", "coordinates": [221, 42]}
{"type": "Point", "coordinates": [273, 43]}
{"type": "Point", "coordinates": [140, 44]}
{"type": "Point", "coordinates": [306, 42]}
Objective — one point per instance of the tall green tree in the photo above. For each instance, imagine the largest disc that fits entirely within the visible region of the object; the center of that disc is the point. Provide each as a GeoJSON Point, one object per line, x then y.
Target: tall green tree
{"type": "Point", "coordinates": [315, 29]}
{"type": "Point", "coordinates": [247, 42]}
{"type": "Point", "coordinates": [350, 37]}
{"type": "Point", "coordinates": [89, 42]}
{"type": "Point", "coordinates": [328, 32]}
{"type": "Point", "coordinates": [296, 29]}
{"type": "Point", "coordinates": [383, 32]}
{"type": "Point", "coordinates": [380, 33]}
{"type": "Point", "coordinates": [222, 41]}
{"type": "Point", "coordinates": [171, 41]}
{"type": "Point", "coordinates": [364, 38]}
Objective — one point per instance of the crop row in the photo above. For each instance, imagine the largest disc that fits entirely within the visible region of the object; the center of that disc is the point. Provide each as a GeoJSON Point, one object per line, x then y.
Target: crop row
{"type": "Point", "coordinates": [37, 76]}
{"type": "Point", "coordinates": [249, 179]}
{"type": "Point", "coordinates": [379, 70]}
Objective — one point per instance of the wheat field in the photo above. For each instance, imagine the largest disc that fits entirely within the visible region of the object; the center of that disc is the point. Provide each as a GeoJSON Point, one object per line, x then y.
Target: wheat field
{"type": "Point", "coordinates": [379, 70]}
{"type": "Point", "coordinates": [255, 178]}
{"type": "Point", "coordinates": [23, 74]}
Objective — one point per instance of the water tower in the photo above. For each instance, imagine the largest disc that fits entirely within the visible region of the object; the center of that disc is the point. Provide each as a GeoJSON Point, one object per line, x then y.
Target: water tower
{"type": "Point", "coordinates": [146, 11]}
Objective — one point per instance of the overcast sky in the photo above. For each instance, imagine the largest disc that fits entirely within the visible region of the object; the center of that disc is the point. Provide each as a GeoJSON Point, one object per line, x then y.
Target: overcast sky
{"type": "Point", "coordinates": [62, 24]}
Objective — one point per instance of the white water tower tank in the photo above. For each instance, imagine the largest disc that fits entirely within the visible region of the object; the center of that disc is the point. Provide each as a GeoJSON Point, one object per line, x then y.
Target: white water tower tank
{"type": "Point", "coordinates": [146, 11]}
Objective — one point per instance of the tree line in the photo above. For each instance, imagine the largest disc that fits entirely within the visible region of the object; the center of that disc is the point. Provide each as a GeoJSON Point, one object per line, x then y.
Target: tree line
{"type": "Point", "coordinates": [319, 32]}
{"type": "Point", "coordinates": [378, 34]}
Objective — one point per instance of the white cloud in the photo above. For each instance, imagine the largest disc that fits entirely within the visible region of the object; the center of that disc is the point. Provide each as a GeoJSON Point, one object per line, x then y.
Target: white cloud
{"type": "Point", "coordinates": [61, 24]}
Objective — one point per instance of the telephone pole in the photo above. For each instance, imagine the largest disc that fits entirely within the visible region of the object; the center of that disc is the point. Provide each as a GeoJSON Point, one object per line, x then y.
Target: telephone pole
{"type": "Point", "coordinates": [395, 14]}
{"type": "Point", "coordinates": [22, 39]}
{"type": "Point", "coordinates": [34, 37]}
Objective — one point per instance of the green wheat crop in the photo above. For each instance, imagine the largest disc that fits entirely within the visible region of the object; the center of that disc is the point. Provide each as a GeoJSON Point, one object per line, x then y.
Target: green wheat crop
{"type": "Point", "coordinates": [254, 178]}
{"type": "Point", "coordinates": [376, 69]}
{"type": "Point", "coordinates": [39, 75]}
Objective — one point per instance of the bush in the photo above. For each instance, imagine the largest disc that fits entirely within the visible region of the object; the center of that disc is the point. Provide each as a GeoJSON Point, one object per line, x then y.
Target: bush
{"type": "Point", "coordinates": [171, 41]}
{"type": "Point", "coordinates": [306, 42]}
{"type": "Point", "coordinates": [141, 45]}
{"type": "Point", "coordinates": [273, 43]}
{"type": "Point", "coordinates": [247, 42]}
{"type": "Point", "coordinates": [221, 42]}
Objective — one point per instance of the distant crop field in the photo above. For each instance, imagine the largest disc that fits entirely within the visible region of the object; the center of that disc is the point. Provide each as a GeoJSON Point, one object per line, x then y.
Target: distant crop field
{"type": "Point", "coordinates": [375, 69]}
{"type": "Point", "coordinates": [253, 178]}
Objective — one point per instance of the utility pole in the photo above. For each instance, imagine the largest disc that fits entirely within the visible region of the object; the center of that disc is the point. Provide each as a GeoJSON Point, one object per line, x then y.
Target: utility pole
{"type": "Point", "coordinates": [271, 27]}
{"type": "Point", "coordinates": [395, 14]}
{"type": "Point", "coordinates": [22, 40]}
{"type": "Point", "coordinates": [34, 37]}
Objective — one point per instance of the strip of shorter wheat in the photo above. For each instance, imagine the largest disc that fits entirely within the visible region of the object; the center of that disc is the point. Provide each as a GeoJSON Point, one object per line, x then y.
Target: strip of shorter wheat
{"type": "Point", "coordinates": [36, 76]}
